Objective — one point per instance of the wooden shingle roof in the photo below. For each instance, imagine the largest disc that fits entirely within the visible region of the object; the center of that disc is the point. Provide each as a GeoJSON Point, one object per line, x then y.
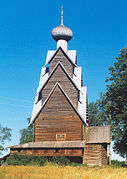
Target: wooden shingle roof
{"type": "Point", "coordinates": [51, 144]}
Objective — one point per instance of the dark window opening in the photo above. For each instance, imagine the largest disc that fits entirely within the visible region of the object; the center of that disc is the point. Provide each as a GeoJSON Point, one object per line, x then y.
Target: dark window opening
{"type": "Point", "coordinates": [47, 70]}
{"type": "Point", "coordinates": [19, 150]}
{"type": "Point", "coordinates": [57, 150]}
{"type": "Point", "coordinates": [40, 96]}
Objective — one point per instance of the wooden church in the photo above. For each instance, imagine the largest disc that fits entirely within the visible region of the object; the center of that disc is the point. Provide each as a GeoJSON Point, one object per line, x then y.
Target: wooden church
{"type": "Point", "coordinates": [60, 111]}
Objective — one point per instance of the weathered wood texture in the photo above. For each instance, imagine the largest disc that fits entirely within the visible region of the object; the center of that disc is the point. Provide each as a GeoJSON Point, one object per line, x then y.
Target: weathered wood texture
{"type": "Point", "coordinates": [98, 134]}
{"type": "Point", "coordinates": [95, 154]}
{"type": "Point", "coordinates": [60, 56]}
{"type": "Point", "coordinates": [87, 117]}
{"type": "Point", "coordinates": [33, 132]}
{"type": "Point", "coordinates": [58, 116]}
{"type": "Point", "coordinates": [48, 152]}
{"type": "Point", "coordinates": [50, 144]}
{"type": "Point", "coordinates": [66, 84]}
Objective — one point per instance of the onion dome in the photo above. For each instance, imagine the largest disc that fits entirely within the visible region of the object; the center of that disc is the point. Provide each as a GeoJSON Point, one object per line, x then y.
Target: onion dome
{"type": "Point", "coordinates": [61, 32]}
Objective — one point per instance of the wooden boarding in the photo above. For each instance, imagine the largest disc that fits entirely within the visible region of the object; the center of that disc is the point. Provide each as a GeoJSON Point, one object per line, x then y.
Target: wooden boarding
{"type": "Point", "coordinates": [95, 154]}
{"type": "Point", "coordinates": [70, 89]}
{"type": "Point", "coordinates": [60, 56]}
{"type": "Point", "coordinates": [58, 116]}
{"type": "Point", "coordinates": [98, 134]}
{"type": "Point", "coordinates": [50, 152]}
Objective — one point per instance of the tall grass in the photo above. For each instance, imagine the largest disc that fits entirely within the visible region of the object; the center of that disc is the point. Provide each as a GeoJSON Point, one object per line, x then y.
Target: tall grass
{"type": "Point", "coordinates": [53, 171]}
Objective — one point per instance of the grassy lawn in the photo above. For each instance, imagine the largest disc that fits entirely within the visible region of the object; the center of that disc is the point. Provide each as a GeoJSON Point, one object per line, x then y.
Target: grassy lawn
{"type": "Point", "coordinates": [50, 171]}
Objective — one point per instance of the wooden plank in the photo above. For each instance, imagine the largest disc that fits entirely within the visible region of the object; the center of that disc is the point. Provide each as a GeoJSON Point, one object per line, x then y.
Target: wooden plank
{"type": "Point", "coordinates": [58, 116]}
{"type": "Point", "coordinates": [64, 60]}
{"type": "Point", "coordinates": [68, 87]}
{"type": "Point", "coordinates": [95, 154]}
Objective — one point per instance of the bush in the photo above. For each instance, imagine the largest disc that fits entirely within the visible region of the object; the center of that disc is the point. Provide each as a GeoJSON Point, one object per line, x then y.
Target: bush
{"type": "Point", "coordinates": [61, 160]}
{"type": "Point", "coordinates": [117, 163]}
{"type": "Point", "coordinates": [85, 165]}
{"type": "Point", "coordinates": [16, 159]}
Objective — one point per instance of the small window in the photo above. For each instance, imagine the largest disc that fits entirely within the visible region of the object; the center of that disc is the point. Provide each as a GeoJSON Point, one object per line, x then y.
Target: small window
{"type": "Point", "coordinates": [63, 136]}
{"type": "Point", "coordinates": [40, 96]}
{"type": "Point", "coordinates": [91, 148]}
{"type": "Point", "coordinates": [60, 136]}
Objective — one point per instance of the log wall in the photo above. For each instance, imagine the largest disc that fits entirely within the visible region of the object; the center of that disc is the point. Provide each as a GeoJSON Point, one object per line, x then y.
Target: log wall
{"type": "Point", "coordinates": [95, 154]}
{"type": "Point", "coordinates": [49, 152]}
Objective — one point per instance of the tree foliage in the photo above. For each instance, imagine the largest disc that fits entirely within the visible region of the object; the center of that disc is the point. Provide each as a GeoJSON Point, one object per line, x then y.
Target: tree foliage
{"type": "Point", "coordinates": [5, 134]}
{"type": "Point", "coordinates": [97, 112]}
{"type": "Point", "coordinates": [116, 102]}
{"type": "Point", "coordinates": [26, 134]}
{"type": "Point", "coordinates": [111, 108]}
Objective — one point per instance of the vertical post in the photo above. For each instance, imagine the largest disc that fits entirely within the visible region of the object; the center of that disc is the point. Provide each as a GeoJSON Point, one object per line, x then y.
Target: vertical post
{"type": "Point", "coordinates": [109, 154]}
{"type": "Point", "coordinates": [85, 138]}
{"type": "Point", "coordinates": [62, 15]}
{"type": "Point", "coordinates": [33, 132]}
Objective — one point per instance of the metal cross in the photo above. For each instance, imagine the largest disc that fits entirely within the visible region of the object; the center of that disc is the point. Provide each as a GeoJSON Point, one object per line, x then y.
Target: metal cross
{"type": "Point", "coordinates": [61, 15]}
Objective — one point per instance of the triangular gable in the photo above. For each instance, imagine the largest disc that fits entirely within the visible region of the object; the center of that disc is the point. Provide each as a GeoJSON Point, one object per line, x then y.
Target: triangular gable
{"type": "Point", "coordinates": [64, 54]}
{"type": "Point", "coordinates": [57, 85]}
{"type": "Point", "coordinates": [62, 67]}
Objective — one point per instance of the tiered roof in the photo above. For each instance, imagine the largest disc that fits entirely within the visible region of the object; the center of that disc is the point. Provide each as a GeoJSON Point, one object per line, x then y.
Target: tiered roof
{"type": "Point", "coordinates": [61, 36]}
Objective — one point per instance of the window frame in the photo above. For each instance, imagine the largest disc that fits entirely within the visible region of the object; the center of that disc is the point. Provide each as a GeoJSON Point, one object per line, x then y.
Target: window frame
{"type": "Point", "coordinates": [62, 136]}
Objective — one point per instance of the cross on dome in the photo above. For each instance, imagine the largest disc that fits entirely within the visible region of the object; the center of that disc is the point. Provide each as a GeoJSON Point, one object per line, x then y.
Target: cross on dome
{"type": "Point", "coordinates": [61, 32]}
{"type": "Point", "coordinates": [61, 15]}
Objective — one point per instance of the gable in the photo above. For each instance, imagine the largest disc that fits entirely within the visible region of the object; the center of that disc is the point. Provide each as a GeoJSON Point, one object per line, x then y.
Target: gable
{"type": "Point", "coordinates": [60, 56]}
{"type": "Point", "coordinates": [58, 104]}
{"type": "Point", "coordinates": [58, 115]}
{"type": "Point", "coordinates": [59, 75]}
{"type": "Point", "coordinates": [70, 53]}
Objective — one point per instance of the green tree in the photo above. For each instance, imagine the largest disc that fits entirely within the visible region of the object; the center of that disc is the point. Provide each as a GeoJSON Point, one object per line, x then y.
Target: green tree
{"type": "Point", "coordinates": [97, 112]}
{"type": "Point", "coordinates": [5, 134]}
{"type": "Point", "coordinates": [26, 134]}
{"type": "Point", "coordinates": [116, 102]}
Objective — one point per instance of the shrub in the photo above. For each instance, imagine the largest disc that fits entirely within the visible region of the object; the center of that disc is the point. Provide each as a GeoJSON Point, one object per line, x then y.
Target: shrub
{"type": "Point", "coordinates": [61, 160]}
{"type": "Point", "coordinates": [55, 160]}
{"type": "Point", "coordinates": [85, 165]}
{"type": "Point", "coordinates": [117, 163]}
{"type": "Point", "coordinates": [16, 159]}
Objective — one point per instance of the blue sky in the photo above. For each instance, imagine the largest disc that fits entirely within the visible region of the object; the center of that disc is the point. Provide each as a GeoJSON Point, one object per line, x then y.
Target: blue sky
{"type": "Point", "coordinates": [99, 32]}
